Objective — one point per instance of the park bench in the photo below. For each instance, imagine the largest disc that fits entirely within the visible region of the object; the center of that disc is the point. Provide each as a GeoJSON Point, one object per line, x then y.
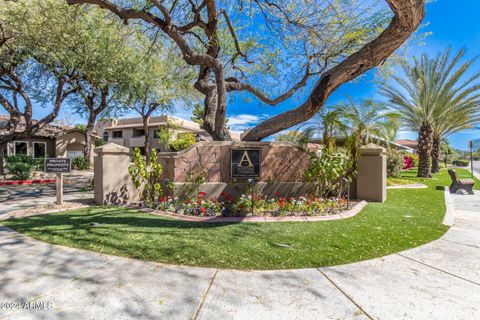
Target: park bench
{"type": "Point", "coordinates": [460, 184]}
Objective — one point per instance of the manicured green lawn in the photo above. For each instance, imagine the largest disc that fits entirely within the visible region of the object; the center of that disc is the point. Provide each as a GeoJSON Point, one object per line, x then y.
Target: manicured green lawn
{"type": "Point", "coordinates": [408, 218]}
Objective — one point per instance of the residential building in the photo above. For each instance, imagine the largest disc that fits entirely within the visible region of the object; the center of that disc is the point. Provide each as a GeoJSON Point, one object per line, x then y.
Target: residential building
{"type": "Point", "coordinates": [129, 132]}
{"type": "Point", "coordinates": [52, 141]}
{"type": "Point", "coordinates": [412, 144]}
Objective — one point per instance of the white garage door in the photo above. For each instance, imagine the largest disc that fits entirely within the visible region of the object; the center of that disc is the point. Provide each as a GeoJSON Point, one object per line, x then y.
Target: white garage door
{"type": "Point", "coordinates": [71, 154]}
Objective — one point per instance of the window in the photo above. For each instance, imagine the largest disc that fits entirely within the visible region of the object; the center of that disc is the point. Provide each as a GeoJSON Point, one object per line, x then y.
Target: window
{"type": "Point", "coordinates": [138, 133]}
{"type": "Point", "coordinates": [21, 147]}
{"type": "Point", "coordinates": [39, 150]}
{"type": "Point", "coordinates": [105, 136]}
{"type": "Point", "coordinates": [155, 134]}
{"type": "Point", "coordinates": [117, 134]}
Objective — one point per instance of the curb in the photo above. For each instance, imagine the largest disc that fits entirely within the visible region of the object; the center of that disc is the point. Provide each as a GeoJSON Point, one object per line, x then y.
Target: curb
{"type": "Point", "coordinates": [340, 216]}
{"type": "Point", "coordinates": [449, 218]}
{"type": "Point", "coordinates": [409, 186]}
{"type": "Point", "coordinates": [15, 182]}
{"type": "Point", "coordinates": [475, 173]}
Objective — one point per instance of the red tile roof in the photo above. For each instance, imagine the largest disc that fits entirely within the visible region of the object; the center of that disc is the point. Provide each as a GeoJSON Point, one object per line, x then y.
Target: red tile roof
{"type": "Point", "coordinates": [407, 143]}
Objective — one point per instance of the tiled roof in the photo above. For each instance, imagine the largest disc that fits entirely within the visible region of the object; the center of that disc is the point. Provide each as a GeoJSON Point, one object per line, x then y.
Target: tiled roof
{"type": "Point", "coordinates": [48, 131]}
{"type": "Point", "coordinates": [407, 142]}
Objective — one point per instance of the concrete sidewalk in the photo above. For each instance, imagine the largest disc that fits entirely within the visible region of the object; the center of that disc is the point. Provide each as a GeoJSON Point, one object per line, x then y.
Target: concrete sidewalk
{"type": "Point", "coordinates": [440, 280]}
{"type": "Point", "coordinates": [18, 197]}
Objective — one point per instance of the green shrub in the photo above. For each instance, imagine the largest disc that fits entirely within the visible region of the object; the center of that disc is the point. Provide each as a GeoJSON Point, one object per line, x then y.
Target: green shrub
{"type": "Point", "coordinates": [325, 171]}
{"type": "Point", "coordinates": [100, 142]}
{"type": "Point", "coordinates": [460, 163]}
{"type": "Point", "coordinates": [21, 166]}
{"type": "Point", "coordinates": [80, 163]}
{"type": "Point", "coordinates": [394, 163]}
{"type": "Point", "coordinates": [414, 158]}
{"type": "Point", "coordinates": [183, 141]}
{"type": "Point", "coordinates": [146, 178]}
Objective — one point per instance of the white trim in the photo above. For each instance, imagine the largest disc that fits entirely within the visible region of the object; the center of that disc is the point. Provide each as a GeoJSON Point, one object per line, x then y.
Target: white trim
{"type": "Point", "coordinates": [33, 148]}
{"type": "Point", "coordinates": [14, 148]}
{"type": "Point", "coordinates": [475, 173]}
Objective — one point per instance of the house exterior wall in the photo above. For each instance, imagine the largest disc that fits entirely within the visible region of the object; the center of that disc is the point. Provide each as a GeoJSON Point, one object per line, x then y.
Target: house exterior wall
{"type": "Point", "coordinates": [71, 141]}
{"type": "Point", "coordinates": [50, 146]}
{"type": "Point", "coordinates": [130, 141]}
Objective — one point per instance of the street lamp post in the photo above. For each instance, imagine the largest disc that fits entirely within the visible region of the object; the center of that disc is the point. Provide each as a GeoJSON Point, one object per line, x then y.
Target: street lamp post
{"type": "Point", "coordinates": [471, 157]}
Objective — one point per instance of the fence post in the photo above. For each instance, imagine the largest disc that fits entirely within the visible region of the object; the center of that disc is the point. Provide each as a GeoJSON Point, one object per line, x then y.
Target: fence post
{"type": "Point", "coordinates": [372, 173]}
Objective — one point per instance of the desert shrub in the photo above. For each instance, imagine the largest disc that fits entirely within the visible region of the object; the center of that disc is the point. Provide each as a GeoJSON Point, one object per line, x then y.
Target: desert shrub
{"type": "Point", "coordinates": [394, 163]}
{"type": "Point", "coordinates": [325, 171]}
{"type": "Point", "coordinates": [80, 163]}
{"type": "Point", "coordinates": [21, 166]}
{"type": "Point", "coordinates": [100, 142]}
{"type": "Point", "coordinates": [20, 170]}
{"type": "Point", "coordinates": [146, 178]}
{"type": "Point", "coordinates": [460, 162]}
{"type": "Point", "coordinates": [183, 141]}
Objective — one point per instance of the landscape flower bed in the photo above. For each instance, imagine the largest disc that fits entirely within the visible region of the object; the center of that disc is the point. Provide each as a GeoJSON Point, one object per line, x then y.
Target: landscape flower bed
{"type": "Point", "coordinates": [250, 205]}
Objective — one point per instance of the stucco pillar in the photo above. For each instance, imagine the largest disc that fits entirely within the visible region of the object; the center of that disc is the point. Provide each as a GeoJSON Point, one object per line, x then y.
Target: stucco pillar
{"type": "Point", "coordinates": [372, 174]}
{"type": "Point", "coordinates": [112, 182]}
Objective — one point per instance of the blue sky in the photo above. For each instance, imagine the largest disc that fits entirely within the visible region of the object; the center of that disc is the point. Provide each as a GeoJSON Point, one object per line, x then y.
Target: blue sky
{"type": "Point", "coordinates": [452, 23]}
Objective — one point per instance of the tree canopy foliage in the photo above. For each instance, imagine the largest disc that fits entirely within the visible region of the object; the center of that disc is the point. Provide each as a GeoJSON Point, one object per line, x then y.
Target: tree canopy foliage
{"type": "Point", "coordinates": [271, 48]}
{"type": "Point", "coordinates": [436, 96]}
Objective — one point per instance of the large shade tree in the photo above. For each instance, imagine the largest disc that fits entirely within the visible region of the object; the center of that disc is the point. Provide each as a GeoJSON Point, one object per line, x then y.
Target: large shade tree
{"type": "Point", "coordinates": [156, 81]}
{"type": "Point", "coordinates": [31, 74]}
{"type": "Point", "coordinates": [258, 46]}
{"type": "Point", "coordinates": [100, 50]}
{"type": "Point", "coordinates": [436, 97]}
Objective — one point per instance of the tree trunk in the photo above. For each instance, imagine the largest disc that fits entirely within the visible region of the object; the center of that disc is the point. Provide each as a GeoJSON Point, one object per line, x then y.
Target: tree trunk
{"type": "Point", "coordinates": [87, 151]}
{"type": "Point", "coordinates": [146, 120]}
{"type": "Point", "coordinates": [436, 155]}
{"type": "Point", "coordinates": [209, 120]}
{"type": "Point", "coordinates": [425, 142]}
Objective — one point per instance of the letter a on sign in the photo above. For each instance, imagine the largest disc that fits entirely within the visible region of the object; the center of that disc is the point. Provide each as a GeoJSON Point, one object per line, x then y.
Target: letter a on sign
{"type": "Point", "coordinates": [245, 158]}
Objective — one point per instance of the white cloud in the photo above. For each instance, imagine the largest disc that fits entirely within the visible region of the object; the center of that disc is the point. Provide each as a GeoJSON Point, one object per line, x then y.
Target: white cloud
{"type": "Point", "coordinates": [242, 122]}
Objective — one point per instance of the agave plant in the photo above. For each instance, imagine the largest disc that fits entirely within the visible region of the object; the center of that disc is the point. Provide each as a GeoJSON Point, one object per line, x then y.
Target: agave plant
{"type": "Point", "coordinates": [435, 97]}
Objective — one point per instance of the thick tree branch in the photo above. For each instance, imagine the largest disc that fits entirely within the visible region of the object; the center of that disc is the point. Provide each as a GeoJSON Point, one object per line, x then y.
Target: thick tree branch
{"type": "Point", "coordinates": [408, 15]}
{"type": "Point", "coordinates": [171, 30]}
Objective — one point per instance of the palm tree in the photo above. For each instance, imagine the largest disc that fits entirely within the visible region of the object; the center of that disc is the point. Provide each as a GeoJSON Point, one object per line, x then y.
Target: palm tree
{"type": "Point", "coordinates": [368, 121]}
{"type": "Point", "coordinates": [431, 97]}
{"type": "Point", "coordinates": [465, 115]}
{"type": "Point", "coordinates": [328, 124]}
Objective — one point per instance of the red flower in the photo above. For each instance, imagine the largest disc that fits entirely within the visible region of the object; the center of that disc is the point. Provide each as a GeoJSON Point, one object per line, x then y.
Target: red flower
{"type": "Point", "coordinates": [199, 201]}
{"type": "Point", "coordinates": [280, 203]}
{"type": "Point", "coordinates": [162, 199]}
{"type": "Point", "coordinates": [202, 193]}
{"type": "Point", "coordinates": [203, 210]}
{"type": "Point", "coordinates": [276, 193]}
{"type": "Point", "coordinates": [309, 203]}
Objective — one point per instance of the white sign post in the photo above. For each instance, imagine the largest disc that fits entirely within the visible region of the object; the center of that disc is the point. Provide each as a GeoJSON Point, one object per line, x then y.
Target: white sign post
{"type": "Point", "coordinates": [58, 166]}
